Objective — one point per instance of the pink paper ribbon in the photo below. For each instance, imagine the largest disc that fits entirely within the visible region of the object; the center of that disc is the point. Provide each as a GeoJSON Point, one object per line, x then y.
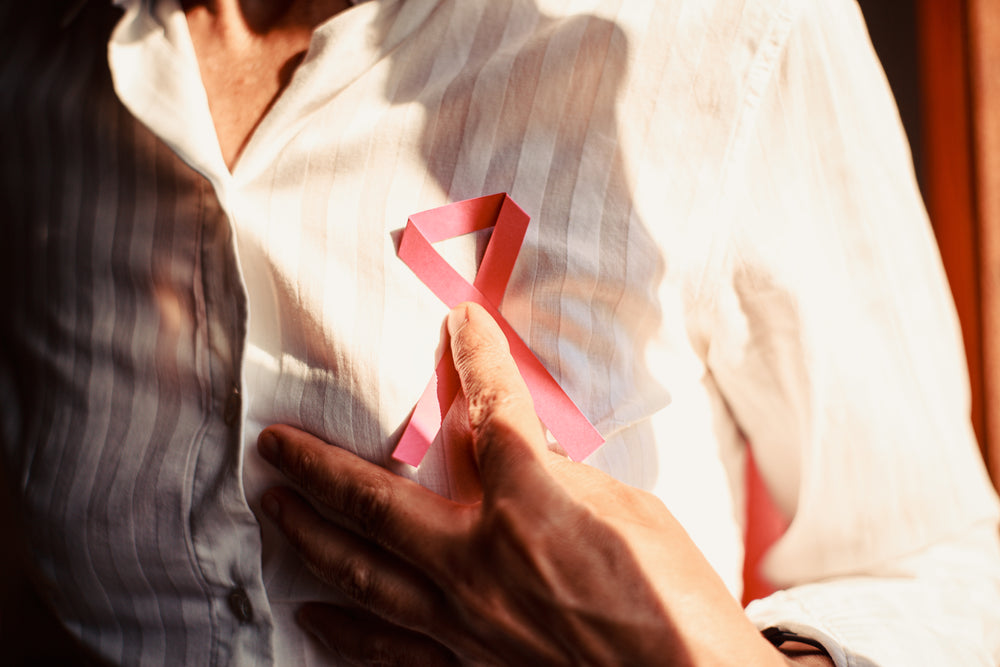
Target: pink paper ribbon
{"type": "Point", "coordinates": [557, 411]}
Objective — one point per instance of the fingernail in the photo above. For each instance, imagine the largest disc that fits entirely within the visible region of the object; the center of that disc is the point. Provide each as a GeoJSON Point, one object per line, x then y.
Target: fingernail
{"type": "Point", "coordinates": [457, 318]}
{"type": "Point", "coordinates": [271, 506]}
{"type": "Point", "coordinates": [267, 445]}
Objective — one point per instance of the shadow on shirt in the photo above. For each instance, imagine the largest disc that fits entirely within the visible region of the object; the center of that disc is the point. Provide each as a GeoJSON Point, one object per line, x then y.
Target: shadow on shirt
{"type": "Point", "coordinates": [530, 108]}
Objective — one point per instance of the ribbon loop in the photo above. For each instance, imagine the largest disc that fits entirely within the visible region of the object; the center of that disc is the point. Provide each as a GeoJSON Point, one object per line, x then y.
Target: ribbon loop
{"type": "Point", "coordinates": [557, 411]}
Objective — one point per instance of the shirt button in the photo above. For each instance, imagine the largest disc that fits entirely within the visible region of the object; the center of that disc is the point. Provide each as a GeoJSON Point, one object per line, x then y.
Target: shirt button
{"type": "Point", "coordinates": [239, 604]}
{"type": "Point", "coordinates": [231, 413]}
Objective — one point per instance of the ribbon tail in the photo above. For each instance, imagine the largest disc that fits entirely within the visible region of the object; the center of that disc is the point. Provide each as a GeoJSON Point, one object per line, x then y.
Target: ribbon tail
{"type": "Point", "coordinates": [429, 413]}
{"type": "Point", "coordinates": [570, 427]}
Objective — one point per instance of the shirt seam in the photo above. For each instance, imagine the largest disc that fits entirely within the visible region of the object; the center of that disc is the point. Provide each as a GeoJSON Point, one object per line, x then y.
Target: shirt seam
{"type": "Point", "coordinates": [761, 75]}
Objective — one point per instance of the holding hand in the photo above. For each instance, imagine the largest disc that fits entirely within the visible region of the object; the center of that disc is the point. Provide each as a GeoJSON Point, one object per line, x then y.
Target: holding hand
{"type": "Point", "coordinates": [554, 563]}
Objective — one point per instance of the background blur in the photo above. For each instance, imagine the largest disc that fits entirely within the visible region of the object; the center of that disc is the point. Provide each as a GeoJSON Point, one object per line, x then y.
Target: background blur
{"type": "Point", "coordinates": [942, 58]}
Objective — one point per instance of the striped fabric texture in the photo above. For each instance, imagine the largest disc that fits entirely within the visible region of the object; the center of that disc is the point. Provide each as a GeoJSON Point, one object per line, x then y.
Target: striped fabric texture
{"type": "Point", "coordinates": [726, 244]}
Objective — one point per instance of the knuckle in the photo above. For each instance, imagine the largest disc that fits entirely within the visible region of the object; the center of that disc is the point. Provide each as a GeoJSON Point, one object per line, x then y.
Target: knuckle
{"type": "Point", "coordinates": [482, 406]}
{"type": "Point", "coordinates": [494, 410]}
{"type": "Point", "coordinates": [357, 580]}
{"type": "Point", "coordinates": [371, 505]}
{"type": "Point", "coordinates": [502, 420]}
{"type": "Point", "coordinates": [469, 348]}
{"type": "Point", "coordinates": [302, 466]}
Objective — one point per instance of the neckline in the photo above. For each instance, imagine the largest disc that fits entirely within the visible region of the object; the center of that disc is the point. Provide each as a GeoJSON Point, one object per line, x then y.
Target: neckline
{"type": "Point", "coordinates": [156, 76]}
{"type": "Point", "coordinates": [342, 49]}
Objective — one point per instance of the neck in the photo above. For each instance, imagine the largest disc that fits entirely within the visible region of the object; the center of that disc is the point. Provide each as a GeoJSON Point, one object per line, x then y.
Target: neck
{"type": "Point", "coordinates": [264, 16]}
{"type": "Point", "coordinates": [247, 51]}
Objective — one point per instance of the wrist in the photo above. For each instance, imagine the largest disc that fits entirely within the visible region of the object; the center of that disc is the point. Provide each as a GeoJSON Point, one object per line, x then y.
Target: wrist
{"type": "Point", "coordinates": [798, 650]}
{"type": "Point", "coordinates": [809, 660]}
{"type": "Point", "coordinates": [799, 654]}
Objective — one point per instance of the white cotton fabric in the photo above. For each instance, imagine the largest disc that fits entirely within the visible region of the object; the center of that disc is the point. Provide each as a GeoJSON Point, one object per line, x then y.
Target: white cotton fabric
{"type": "Point", "coordinates": [727, 245]}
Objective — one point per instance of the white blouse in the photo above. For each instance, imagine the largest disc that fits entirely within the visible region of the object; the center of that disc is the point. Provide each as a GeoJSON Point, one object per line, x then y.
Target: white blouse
{"type": "Point", "coordinates": [726, 244]}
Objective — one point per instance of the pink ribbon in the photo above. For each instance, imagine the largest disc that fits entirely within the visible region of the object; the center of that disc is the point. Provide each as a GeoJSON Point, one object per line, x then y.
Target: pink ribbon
{"type": "Point", "coordinates": [557, 411]}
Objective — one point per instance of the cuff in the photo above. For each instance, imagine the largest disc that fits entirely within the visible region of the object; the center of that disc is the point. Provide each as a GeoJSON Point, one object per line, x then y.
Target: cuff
{"type": "Point", "coordinates": [791, 618]}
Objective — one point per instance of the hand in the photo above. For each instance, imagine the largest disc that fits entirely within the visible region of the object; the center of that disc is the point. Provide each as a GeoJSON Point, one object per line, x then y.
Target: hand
{"type": "Point", "coordinates": [554, 563]}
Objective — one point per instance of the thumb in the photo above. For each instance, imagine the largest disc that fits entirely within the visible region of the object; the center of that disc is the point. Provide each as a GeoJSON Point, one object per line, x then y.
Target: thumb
{"type": "Point", "coordinates": [507, 436]}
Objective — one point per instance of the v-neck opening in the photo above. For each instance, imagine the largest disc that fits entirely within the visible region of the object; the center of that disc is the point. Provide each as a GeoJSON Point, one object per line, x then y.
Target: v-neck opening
{"type": "Point", "coordinates": [157, 77]}
{"type": "Point", "coordinates": [279, 99]}
{"type": "Point", "coordinates": [341, 50]}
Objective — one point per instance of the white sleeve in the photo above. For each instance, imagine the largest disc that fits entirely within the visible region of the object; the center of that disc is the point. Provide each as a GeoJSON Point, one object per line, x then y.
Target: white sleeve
{"type": "Point", "coordinates": [838, 351]}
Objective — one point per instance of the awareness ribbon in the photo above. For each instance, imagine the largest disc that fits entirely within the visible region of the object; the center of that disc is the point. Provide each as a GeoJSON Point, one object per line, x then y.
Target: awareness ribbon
{"type": "Point", "coordinates": [557, 411]}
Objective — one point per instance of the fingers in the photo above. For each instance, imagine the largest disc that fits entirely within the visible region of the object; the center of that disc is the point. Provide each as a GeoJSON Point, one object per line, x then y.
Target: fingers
{"type": "Point", "coordinates": [370, 577]}
{"type": "Point", "coordinates": [387, 509]}
{"type": "Point", "coordinates": [362, 639]}
{"type": "Point", "coordinates": [500, 409]}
